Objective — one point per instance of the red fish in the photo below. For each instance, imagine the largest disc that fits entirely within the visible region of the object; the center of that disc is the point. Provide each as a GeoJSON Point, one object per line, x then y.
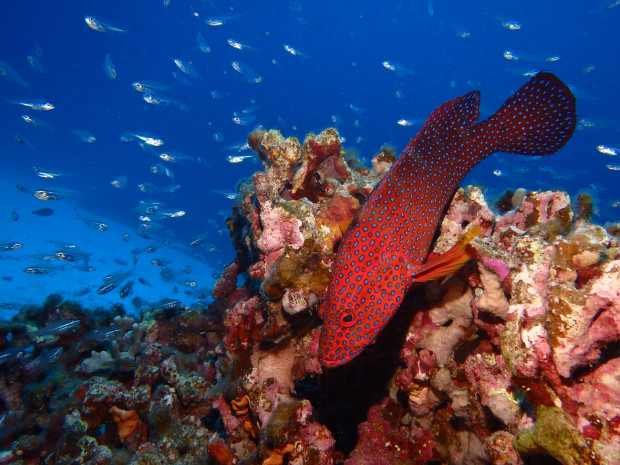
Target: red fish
{"type": "Point", "coordinates": [386, 248]}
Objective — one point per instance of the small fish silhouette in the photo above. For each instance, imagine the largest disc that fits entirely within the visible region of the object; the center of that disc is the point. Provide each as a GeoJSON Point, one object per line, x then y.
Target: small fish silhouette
{"type": "Point", "coordinates": [43, 212]}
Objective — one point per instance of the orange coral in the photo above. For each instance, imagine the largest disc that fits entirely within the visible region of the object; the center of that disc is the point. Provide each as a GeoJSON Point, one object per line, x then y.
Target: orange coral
{"type": "Point", "coordinates": [276, 456]}
{"type": "Point", "coordinates": [220, 453]}
{"type": "Point", "coordinates": [127, 421]}
{"type": "Point", "coordinates": [241, 407]}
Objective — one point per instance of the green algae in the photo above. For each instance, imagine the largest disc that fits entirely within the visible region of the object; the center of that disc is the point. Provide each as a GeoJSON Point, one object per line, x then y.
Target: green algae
{"type": "Point", "coordinates": [281, 425]}
{"type": "Point", "coordinates": [299, 269]}
{"type": "Point", "coordinates": [554, 434]}
{"type": "Point", "coordinates": [585, 207]}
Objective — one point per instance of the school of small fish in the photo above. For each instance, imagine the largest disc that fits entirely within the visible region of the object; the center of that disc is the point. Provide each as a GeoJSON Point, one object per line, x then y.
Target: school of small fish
{"type": "Point", "coordinates": [168, 88]}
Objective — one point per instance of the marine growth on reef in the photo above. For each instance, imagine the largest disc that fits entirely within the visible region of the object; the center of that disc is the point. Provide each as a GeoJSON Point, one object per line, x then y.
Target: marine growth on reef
{"type": "Point", "coordinates": [512, 359]}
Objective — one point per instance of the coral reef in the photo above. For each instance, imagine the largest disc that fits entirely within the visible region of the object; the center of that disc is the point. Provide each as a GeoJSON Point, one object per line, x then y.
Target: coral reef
{"type": "Point", "coordinates": [511, 360]}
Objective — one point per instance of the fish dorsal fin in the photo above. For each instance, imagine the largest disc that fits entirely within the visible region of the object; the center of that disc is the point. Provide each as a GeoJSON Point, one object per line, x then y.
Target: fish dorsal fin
{"type": "Point", "coordinates": [537, 120]}
{"type": "Point", "coordinates": [439, 266]}
{"type": "Point", "coordinates": [447, 124]}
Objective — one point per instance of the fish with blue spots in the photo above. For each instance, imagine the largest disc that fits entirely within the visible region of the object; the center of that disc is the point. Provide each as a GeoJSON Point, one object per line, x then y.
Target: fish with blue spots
{"type": "Point", "coordinates": [386, 248]}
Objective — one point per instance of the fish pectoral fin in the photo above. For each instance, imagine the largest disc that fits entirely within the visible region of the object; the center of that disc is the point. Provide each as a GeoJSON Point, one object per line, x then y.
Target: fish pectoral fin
{"type": "Point", "coordinates": [442, 265]}
{"type": "Point", "coordinates": [344, 224]}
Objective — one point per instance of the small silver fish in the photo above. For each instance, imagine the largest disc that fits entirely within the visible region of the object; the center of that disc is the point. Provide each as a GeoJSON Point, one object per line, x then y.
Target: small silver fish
{"type": "Point", "coordinates": [72, 255]}
{"type": "Point", "coordinates": [511, 24]}
{"type": "Point", "coordinates": [397, 68]}
{"type": "Point", "coordinates": [119, 182]}
{"type": "Point", "coordinates": [46, 174]}
{"type": "Point", "coordinates": [127, 289]}
{"type": "Point", "coordinates": [57, 327]}
{"type": "Point", "coordinates": [294, 51]}
{"type": "Point", "coordinates": [107, 287]}
{"type": "Point", "coordinates": [199, 239]}
{"type": "Point", "coordinates": [202, 44]}
{"type": "Point", "coordinates": [238, 158]}
{"type": "Point", "coordinates": [159, 100]}
{"type": "Point", "coordinates": [243, 120]}
{"type": "Point", "coordinates": [108, 67]}
{"type": "Point", "coordinates": [147, 139]}
{"type": "Point", "coordinates": [39, 105]}
{"type": "Point", "coordinates": [159, 168]}
{"type": "Point", "coordinates": [608, 150]}
{"type": "Point", "coordinates": [98, 225]}
{"type": "Point", "coordinates": [209, 248]}
{"type": "Point", "coordinates": [166, 304]}
{"type": "Point", "coordinates": [218, 20]}
{"type": "Point", "coordinates": [239, 45]}
{"type": "Point", "coordinates": [6, 246]}
{"type": "Point", "coordinates": [98, 25]}
{"type": "Point", "coordinates": [147, 187]}
{"type": "Point", "coordinates": [38, 122]}
{"type": "Point", "coordinates": [52, 194]}
{"type": "Point", "coordinates": [85, 136]}
{"type": "Point", "coordinates": [188, 68]}
{"type": "Point", "coordinates": [15, 353]}
{"type": "Point", "coordinates": [249, 75]}
{"type": "Point", "coordinates": [8, 72]}
{"type": "Point", "coordinates": [409, 122]}
{"type": "Point", "coordinates": [171, 213]}
{"type": "Point", "coordinates": [41, 269]}
{"type": "Point", "coordinates": [175, 157]}
{"type": "Point", "coordinates": [45, 358]}
{"type": "Point", "coordinates": [35, 63]}
{"type": "Point", "coordinates": [149, 87]}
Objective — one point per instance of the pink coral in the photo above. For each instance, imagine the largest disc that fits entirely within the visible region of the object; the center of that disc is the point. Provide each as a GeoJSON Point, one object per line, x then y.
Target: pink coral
{"type": "Point", "coordinates": [279, 229]}
{"type": "Point", "coordinates": [588, 328]}
{"type": "Point", "coordinates": [488, 376]}
{"type": "Point", "coordinates": [227, 282]}
{"type": "Point", "coordinates": [498, 266]}
{"type": "Point", "coordinates": [384, 440]}
{"type": "Point", "coordinates": [242, 322]}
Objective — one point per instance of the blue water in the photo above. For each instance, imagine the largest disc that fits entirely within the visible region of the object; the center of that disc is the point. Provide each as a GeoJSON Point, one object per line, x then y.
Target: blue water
{"type": "Point", "coordinates": [335, 77]}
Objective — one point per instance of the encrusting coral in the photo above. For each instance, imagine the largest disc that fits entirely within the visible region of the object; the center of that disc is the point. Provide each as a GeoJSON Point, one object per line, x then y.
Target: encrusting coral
{"type": "Point", "coordinates": [509, 361]}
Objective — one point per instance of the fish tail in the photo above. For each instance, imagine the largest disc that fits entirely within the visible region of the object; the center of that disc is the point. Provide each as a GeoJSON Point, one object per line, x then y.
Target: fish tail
{"type": "Point", "coordinates": [449, 262]}
{"type": "Point", "coordinates": [447, 125]}
{"type": "Point", "coordinates": [537, 120]}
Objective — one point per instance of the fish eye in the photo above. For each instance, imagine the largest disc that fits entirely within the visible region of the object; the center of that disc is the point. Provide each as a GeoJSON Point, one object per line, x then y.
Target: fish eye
{"type": "Point", "coordinates": [347, 320]}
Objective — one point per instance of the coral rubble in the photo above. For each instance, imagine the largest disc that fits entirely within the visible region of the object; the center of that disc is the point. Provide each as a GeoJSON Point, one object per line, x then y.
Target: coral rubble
{"type": "Point", "coordinates": [511, 360]}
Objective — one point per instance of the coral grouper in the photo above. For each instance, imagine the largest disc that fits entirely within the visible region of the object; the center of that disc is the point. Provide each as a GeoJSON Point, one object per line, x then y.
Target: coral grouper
{"type": "Point", "coordinates": [386, 248]}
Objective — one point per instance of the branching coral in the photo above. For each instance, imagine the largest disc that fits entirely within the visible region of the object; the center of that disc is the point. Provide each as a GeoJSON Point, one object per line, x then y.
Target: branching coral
{"type": "Point", "coordinates": [122, 352]}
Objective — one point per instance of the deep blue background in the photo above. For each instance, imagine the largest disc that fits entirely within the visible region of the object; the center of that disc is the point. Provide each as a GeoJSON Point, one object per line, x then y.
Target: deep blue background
{"type": "Point", "coordinates": [345, 44]}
